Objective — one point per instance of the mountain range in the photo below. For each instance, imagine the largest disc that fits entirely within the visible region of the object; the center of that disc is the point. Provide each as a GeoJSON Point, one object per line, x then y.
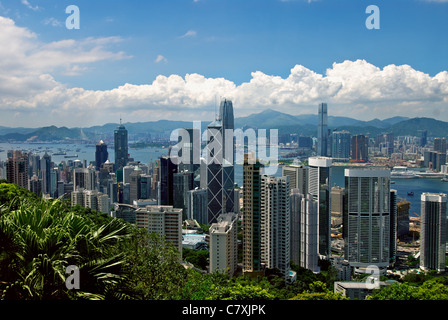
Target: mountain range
{"type": "Point", "coordinates": [268, 119]}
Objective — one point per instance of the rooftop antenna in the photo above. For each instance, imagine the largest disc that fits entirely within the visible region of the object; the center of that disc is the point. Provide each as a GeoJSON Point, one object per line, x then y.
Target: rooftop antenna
{"type": "Point", "coordinates": [120, 120]}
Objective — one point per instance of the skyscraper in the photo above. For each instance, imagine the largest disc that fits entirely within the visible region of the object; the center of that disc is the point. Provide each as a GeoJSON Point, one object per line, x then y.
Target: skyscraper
{"type": "Point", "coordinates": [367, 218]}
{"type": "Point", "coordinates": [220, 174]}
{"type": "Point", "coordinates": [360, 148]}
{"type": "Point", "coordinates": [167, 170]}
{"type": "Point", "coordinates": [319, 186]}
{"type": "Point", "coordinates": [45, 167]}
{"type": "Point", "coordinates": [433, 231]}
{"type": "Point", "coordinates": [227, 121]}
{"type": "Point", "coordinates": [251, 215]}
{"type": "Point", "coordinates": [275, 223]}
{"type": "Point", "coordinates": [309, 229]}
{"type": "Point", "coordinates": [298, 177]}
{"type": "Point", "coordinates": [322, 130]}
{"type": "Point", "coordinates": [341, 146]}
{"type": "Point", "coordinates": [17, 169]}
{"type": "Point", "coordinates": [440, 145]}
{"type": "Point", "coordinates": [224, 244]}
{"type": "Point", "coordinates": [135, 184]}
{"type": "Point", "coordinates": [121, 146]}
{"type": "Point", "coordinates": [101, 154]}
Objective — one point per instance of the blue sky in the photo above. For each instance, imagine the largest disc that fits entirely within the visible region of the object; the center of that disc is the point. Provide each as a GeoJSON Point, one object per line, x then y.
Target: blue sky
{"type": "Point", "coordinates": [136, 42]}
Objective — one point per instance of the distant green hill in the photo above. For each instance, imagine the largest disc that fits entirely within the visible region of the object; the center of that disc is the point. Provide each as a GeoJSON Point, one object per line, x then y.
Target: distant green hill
{"type": "Point", "coordinates": [267, 119]}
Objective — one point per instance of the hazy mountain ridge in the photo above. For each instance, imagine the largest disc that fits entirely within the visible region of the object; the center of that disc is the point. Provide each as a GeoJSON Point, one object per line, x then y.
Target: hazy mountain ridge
{"type": "Point", "coordinates": [267, 119]}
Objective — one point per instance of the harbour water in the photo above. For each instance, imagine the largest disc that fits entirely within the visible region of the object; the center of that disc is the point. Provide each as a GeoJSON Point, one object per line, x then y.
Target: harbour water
{"type": "Point", "coordinates": [146, 155]}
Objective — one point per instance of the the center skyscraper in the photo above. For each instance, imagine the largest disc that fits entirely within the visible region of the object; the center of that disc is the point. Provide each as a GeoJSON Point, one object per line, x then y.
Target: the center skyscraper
{"type": "Point", "coordinates": [220, 165]}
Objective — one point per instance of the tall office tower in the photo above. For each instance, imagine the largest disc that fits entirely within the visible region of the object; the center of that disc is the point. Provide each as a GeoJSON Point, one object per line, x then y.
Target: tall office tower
{"type": "Point", "coordinates": [341, 146]}
{"type": "Point", "coordinates": [403, 218]}
{"type": "Point", "coordinates": [190, 150]}
{"type": "Point", "coordinates": [393, 227]}
{"type": "Point", "coordinates": [127, 170]}
{"type": "Point", "coordinates": [33, 165]}
{"type": "Point", "coordinates": [220, 174]}
{"type": "Point", "coordinates": [434, 160]}
{"type": "Point", "coordinates": [84, 178]}
{"type": "Point", "coordinates": [224, 244]}
{"type": "Point", "coordinates": [367, 218]}
{"type": "Point", "coordinates": [135, 184]}
{"type": "Point", "coordinates": [433, 231]}
{"type": "Point", "coordinates": [45, 168]}
{"type": "Point", "coordinates": [360, 148]}
{"type": "Point", "coordinates": [319, 186]}
{"type": "Point", "coordinates": [101, 154]}
{"type": "Point", "coordinates": [309, 234]}
{"type": "Point", "coordinates": [145, 186]}
{"type": "Point", "coordinates": [295, 202]}
{"type": "Point", "coordinates": [17, 169]}
{"type": "Point", "coordinates": [121, 146]}
{"type": "Point", "coordinates": [251, 215]}
{"type": "Point", "coordinates": [182, 183]}
{"type": "Point", "coordinates": [197, 205]}
{"type": "Point", "coordinates": [322, 130]}
{"type": "Point", "coordinates": [423, 137]}
{"type": "Point", "coordinates": [298, 177]}
{"type": "Point", "coordinates": [337, 205]}
{"type": "Point", "coordinates": [440, 145]}
{"type": "Point", "coordinates": [275, 223]}
{"type": "Point", "coordinates": [166, 169]}
{"type": "Point", "coordinates": [227, 121]}
{"type": "Point", "coordinates": [163, 220]}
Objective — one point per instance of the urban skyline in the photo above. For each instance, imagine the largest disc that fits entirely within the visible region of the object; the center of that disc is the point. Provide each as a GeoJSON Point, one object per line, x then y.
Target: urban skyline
{"type": "Point", "coordinates": [259, 202]}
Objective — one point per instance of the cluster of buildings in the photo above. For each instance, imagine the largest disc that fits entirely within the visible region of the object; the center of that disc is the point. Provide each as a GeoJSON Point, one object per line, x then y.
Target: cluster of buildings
{"type": "Point", "coordinates": [283, 219]}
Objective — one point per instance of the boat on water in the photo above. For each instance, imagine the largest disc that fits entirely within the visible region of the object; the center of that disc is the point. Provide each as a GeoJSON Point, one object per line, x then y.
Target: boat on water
{"type": "Point", "coordinates": [75, 156]}
{"type": "Point", "coordinates": [403, 174]}
{"type": "Point", "coordinates": [411, 193]}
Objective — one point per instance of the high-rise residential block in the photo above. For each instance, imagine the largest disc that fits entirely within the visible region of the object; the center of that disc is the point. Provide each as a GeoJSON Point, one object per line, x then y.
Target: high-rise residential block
{"type": "Point", "coordinates": [224, 244]}
{"type": "Point", "coordinates": [433, 231]}
{"type": "Point", "coordinates": [341, 141]}
{"type": "Point", "coordinates": [251, 223]}
{"type": "Point", "coordinates": [360, 148]}
{"type": "Point", "coordinates": [275, 223]}
{"type": "Point", "coordinates": [165, 221]}
{"type": "Point", "coordinates": [17, 169]}
{"type": "Point", "coordinates": [319, 186]}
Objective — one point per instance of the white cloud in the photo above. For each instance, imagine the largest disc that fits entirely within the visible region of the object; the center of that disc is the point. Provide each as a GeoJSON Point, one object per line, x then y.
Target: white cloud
{"type": "Point", "coordinates": [160, 58]}
{"type": "Point", "coordinates": [189, 33]}
{"type": "Point", "coordinates": [29, 6]}
{"type": "Point", "coordinates": [352, 88]}
{"type": "Point", "coordinates": [52, 22]}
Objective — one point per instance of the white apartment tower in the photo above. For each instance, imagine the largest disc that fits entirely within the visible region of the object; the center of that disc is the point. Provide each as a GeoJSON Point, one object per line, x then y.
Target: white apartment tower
{"type": "Point", "coordinates": [224, 244]}
{"type": "Point", "coordinates": [275, 223]}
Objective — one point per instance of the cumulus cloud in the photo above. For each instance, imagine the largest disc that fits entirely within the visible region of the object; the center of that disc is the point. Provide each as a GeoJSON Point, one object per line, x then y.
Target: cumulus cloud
{"type": "Point", "coordinates": [351, 88]}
